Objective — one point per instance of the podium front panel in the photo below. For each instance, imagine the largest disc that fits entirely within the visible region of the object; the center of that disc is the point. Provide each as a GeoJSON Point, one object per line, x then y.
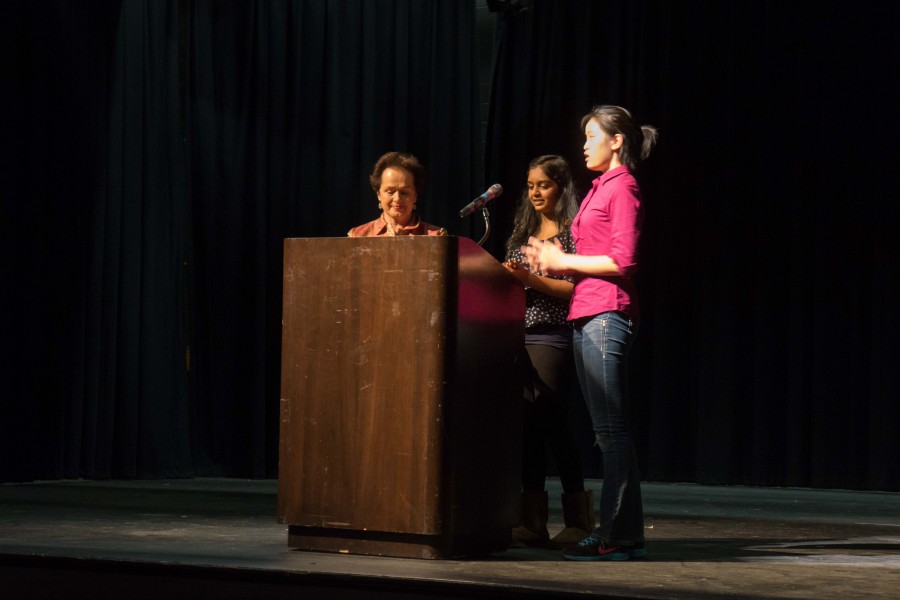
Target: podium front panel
{"type": "Point", "coordinates": [397, 364]}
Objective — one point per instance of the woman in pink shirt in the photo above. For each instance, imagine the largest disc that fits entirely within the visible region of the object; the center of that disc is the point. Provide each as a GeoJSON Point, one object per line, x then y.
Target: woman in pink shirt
{"type": "Point", "coordinates": [603, 312]}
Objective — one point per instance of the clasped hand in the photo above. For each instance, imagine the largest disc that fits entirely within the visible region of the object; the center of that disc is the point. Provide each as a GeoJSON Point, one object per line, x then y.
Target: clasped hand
{"type": "Point", "coordinates": [545, 256]}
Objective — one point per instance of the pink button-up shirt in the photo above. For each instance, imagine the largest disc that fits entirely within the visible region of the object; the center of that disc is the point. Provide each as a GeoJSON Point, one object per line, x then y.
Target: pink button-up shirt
{"type": "Point", "coordinates": [608, 224]}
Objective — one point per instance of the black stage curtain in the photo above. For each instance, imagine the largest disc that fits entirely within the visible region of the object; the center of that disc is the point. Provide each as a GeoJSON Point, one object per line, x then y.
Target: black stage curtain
{"type": "Point", "coordinates": [94, 237]}
{"type": "Point", "coordinates": [156, 153]}
{"type": "Point", "coordinates": [291, 103]}
{"type": "Point", "coordinates": [160, 152]}
{"type": "Point", "coordinates": [769, 278]}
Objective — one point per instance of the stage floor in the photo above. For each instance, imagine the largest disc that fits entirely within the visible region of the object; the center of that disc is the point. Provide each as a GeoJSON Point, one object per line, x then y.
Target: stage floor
{"type": "Point", "coordinates": [219, 538]}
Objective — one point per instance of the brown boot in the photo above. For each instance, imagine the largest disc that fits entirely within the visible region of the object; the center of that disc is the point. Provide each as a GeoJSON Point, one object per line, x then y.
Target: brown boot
{"type": "Point", "coordinates": [578, 515]}
{"type": "Point", "coordinates": [532, 529]}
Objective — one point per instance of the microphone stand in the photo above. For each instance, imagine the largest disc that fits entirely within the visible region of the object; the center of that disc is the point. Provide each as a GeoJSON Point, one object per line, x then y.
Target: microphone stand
{"type": "Point", "coordinates": [487, 225]}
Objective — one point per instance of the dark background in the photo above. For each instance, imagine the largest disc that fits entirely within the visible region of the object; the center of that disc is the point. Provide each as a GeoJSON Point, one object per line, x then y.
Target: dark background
{"type": "Point", "coordinates": [156, 153]}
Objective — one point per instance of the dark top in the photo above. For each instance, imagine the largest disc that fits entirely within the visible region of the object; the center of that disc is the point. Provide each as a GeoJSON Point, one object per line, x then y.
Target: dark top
{"type": "Point", "coordinates": [545, 316]}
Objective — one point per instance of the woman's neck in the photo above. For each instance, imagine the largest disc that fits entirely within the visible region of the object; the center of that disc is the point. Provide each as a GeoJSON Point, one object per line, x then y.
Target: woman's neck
{"type": "Point", "coordinates": [548, 228]}
{"type": "Point", "coordinates": [396, 225]}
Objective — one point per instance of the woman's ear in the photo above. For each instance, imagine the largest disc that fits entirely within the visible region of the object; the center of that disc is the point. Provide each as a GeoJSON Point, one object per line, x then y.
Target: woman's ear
{"type": "Point", "coordinates": [616, 142]}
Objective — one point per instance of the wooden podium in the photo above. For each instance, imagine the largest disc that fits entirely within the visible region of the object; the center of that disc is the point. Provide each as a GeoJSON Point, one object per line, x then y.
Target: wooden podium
{"type": "Point", "coordinates": [400, 405]}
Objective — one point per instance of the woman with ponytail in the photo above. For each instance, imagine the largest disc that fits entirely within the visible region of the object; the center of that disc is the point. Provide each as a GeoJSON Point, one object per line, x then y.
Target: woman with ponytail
{"type": "Point", "coordinates": [604, 313]}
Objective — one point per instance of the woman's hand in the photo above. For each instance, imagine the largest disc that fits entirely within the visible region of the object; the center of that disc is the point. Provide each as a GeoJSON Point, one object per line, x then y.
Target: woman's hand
{"type": "Point", "coordinates": [549, 258]}
{"type": "Point", "coordinates": [518, 270]}
{"type": "Point", "coordinates": [545, 256]}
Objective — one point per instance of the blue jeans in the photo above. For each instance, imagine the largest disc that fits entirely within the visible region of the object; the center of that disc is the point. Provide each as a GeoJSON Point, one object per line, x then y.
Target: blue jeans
{"type": "Point", "coordinates": [601, 349]}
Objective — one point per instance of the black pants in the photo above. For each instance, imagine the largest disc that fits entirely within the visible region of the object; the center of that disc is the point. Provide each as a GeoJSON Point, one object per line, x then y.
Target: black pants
{"type": "Point", "coordinates": [547, 371]}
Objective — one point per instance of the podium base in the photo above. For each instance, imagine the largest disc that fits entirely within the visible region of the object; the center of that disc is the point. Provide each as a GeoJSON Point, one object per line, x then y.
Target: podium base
{"type": "Point", "coordinates": [400, 545]}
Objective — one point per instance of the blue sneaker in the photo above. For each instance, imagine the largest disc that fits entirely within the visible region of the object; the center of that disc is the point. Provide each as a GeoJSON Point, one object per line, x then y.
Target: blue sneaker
{"type": "Point", "coordinates": [593, 548]}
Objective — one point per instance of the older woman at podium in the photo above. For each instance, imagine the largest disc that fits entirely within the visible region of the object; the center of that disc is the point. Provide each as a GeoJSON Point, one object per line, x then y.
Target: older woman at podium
{"type": "Point", "coordinates": [398, 179]}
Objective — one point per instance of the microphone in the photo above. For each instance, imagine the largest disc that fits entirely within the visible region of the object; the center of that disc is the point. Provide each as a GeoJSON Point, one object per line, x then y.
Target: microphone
{"type": "Point", "coordinates": [491, 193]}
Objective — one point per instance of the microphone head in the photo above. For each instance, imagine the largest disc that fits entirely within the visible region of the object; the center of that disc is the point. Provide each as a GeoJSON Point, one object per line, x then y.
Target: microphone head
{"type": "Point", "coordinates": [495, 190]}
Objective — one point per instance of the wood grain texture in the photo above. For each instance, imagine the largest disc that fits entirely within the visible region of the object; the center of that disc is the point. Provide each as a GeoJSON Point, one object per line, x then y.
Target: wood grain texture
{"type": "Point", "coordinates": [399, 406]}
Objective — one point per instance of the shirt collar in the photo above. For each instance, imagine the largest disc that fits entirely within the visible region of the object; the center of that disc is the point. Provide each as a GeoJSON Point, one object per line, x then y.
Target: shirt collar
{"type": "Point", "coordinates": [414, 225]}
{"type": "Point", "coordinates": [611, 174]}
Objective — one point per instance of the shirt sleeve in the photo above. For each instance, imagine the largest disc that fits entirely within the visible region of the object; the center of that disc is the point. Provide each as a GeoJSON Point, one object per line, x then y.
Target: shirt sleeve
{"type": "Point", "coordinates": [624, 215]}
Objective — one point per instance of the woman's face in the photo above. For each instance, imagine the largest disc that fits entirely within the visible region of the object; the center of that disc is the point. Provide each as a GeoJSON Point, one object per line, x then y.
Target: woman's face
{"type": "Point", "coordinates": [599, 147]}
{"type": "Point", "coordinates": [542, 191]}
{"type": "Point", "coordinates": [397, 194]}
